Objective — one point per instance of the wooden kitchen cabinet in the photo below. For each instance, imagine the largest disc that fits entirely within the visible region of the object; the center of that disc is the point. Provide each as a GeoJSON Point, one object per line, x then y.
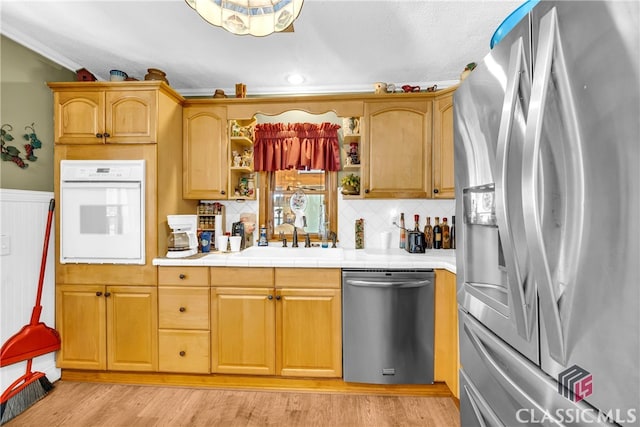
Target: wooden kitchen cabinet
{"type": "Point", "coordinates": [105, 114]}
{"type": "Point", "coordinates": [446, 355]}
{"type": "Point", "coordinates": [205, 163]}
{"type": "Point", "coordinates": [309, 322]}
{"type": "Point", "coordinates": [243, 330]}
{"type": "Point", "coordinates": [183, 320]}
{"type": "Point", "coordinates": [443, 149]}
{"type": "Point", "coordinates": [107, 327]}
{"type": "Point", "coordinates": [281, 321]}
{"type": "Point", "coordinates": [397, 151]}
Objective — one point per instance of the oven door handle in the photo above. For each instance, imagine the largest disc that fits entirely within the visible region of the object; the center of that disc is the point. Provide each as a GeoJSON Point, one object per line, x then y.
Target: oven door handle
{"type": "Point", "coordinates": [389, 284]}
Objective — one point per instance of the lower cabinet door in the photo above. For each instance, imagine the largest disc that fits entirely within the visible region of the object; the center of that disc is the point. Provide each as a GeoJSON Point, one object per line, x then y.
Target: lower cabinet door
{"type": "Point", "coordinates": [81, 322]}
{"type": "Point", "coordinates": [132, 328]}
{"type": "Point", "coordinates": [185, 351]}
{"type": "Point", "coordinates": [309, 332]}
{"type": "Point", "coordinates": [242, 331]}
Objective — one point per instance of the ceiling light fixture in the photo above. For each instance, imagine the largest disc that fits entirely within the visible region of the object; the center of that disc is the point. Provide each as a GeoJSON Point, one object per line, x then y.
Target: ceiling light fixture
{"type": "Point", "coordinates": [295, 79]}
{"type": "Point", "coordinates": [255, 17]}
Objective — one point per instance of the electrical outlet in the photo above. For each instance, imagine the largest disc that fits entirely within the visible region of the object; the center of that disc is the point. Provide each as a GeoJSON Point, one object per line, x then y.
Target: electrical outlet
{"type": "Point", "coordinates": [5, 245]}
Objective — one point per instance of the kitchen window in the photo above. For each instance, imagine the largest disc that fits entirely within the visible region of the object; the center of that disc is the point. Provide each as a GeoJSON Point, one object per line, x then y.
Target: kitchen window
{"type": "Point", "coordinates": [296, 198]}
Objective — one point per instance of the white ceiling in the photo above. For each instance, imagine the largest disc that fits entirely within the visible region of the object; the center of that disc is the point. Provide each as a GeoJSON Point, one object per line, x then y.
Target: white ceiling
{"type": "Point", "coordinates": [338, 45]}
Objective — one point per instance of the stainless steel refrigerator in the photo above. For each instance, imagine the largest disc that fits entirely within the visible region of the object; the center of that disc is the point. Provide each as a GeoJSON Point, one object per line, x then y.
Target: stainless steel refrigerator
{"type": "Point", "coordinates": [547, 153]}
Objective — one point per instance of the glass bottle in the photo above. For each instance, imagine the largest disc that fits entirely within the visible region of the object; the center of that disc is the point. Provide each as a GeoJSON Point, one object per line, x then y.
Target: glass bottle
{"type": "Point", "coordinates": [403, 236]}
{"type": "Point", "coordinates": [437, 234]}
{"type": "Point", "coordinates": [428, 234]}
{"type": "Point", "coordinates": [453, 232]}
{"type": "Point", "coordinates": [446, 236]}
{"type": "Point", "coordinates": [416, 218]}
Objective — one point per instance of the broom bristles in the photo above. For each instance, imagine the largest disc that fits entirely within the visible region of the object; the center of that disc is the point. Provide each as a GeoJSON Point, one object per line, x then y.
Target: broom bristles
{"type": "Point", "coordinates": [24, 399]}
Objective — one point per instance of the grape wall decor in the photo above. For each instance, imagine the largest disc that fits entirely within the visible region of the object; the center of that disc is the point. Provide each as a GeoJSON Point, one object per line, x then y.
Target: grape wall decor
{"type": "Point", "coordinates": [11, 153]}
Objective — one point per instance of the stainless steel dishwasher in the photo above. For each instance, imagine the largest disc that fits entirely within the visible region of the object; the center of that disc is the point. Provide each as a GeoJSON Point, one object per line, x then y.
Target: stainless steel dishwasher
{"type": "Point", "coordinates": [388, 322]}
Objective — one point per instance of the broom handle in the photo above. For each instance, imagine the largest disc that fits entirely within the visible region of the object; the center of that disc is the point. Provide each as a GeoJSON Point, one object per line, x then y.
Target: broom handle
{"type": "Point", "coordinates": [37, 309]}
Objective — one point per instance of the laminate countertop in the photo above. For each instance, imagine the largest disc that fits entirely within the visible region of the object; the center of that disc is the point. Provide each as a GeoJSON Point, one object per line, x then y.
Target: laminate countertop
{"type": "Point", "coordinates": [316, 257]}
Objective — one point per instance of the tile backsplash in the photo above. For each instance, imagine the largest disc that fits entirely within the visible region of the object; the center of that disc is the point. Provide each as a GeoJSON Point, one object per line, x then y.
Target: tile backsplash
{"type": "Point", "coordinates": [378, 216]}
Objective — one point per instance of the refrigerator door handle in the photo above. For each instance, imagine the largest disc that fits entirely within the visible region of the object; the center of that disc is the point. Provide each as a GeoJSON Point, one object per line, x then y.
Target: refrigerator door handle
{"type": "Point", "coordinates": [484, 342]}
{"type": "Point", "coordinates": [517, 72]}
{"type": "Point", "coordinates": [481, 408]}
{"type": "Point", "coordinates": [547, 293]}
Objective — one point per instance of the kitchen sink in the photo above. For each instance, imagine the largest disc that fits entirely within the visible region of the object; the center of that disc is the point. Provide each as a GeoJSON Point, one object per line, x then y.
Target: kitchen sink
{"type": "Point", "coordinates": [289, 252]}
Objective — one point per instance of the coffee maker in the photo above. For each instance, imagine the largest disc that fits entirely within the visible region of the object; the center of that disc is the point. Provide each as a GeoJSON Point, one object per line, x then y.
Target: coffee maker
{"type": "Point", "coordinates": [183, 241]}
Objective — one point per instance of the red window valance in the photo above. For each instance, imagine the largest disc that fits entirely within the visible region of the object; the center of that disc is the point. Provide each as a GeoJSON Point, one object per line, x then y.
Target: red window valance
{"type": "Point", "coordinates": [281, 146]}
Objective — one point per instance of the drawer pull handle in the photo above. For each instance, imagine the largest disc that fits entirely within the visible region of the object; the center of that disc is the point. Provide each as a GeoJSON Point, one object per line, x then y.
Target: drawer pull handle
{"type": "Point", "coordinates": [182, 353]}
{"type": "Point", "coordinates": [106, 135]}
{"type": "Point", "coordinates": [98, 135]}
{"type": "Point", "coordinates": [182, 309]}
{"type": "Point", "coordinates": [182, 276]}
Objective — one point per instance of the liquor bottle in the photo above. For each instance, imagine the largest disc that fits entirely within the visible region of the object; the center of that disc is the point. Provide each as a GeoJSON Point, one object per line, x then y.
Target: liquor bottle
{"type": "Point", "coordinates": [437, 234]}
{"type": "Point", "coordinates": [453, 232]}
{"type": "Point", "coordinates": [428, 234]}
{"type": "Point", "coordinates": [446, 236]}
{"type": "Point", "coordinates": [416, 218]}
{"type": "Point", "coordinates": [403, 236]}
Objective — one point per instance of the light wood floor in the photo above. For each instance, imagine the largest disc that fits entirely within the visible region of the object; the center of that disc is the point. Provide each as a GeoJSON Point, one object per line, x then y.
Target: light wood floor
{"type": "Point", "coordinates": [80, 404]}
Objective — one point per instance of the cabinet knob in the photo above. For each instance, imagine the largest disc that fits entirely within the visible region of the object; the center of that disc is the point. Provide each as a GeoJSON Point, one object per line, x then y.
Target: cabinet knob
{"type": "Point", "coordinates": [98, 294]}
{"type": "Point", "coordinates": [366, 191]}
{"type": "Point", "coordinates": [98, 135]}
{"type": "Point", "coordinates": [270, 297]}
{"type": "Point", "coordinates": [278, 297]}
{"type": "Point", "coordinates": [182, 353]}
{"type": "Point", "coordinates": [182, 309]}
{"type": "Point", "coordinates": [182, 276]}
{"type": "Point", "coordinates": [435, 190]}
{"type": "Point", "coordinates": [223, 192]}
{"type": "Point", "coordinates": [106, 135]}
{"type": "Point", "coordinates": [107, 294]}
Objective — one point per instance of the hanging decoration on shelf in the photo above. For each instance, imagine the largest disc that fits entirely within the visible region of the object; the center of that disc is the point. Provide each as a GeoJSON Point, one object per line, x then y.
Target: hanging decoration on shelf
{"type": "Point", "coordinates": [11, 153]}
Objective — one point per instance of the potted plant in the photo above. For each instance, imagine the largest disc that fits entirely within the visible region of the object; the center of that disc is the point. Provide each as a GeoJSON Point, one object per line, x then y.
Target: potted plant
{"type": "Point", "coordinates": [350, 184]}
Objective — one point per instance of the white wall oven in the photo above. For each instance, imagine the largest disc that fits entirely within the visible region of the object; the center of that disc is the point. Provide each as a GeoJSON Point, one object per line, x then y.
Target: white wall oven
{"type": "Point", "coordinates": [102, 211]}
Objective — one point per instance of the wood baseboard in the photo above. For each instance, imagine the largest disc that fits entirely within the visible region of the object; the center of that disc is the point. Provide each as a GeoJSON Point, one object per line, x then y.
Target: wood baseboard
{"type": "Point", "coordinates": [245, 382]}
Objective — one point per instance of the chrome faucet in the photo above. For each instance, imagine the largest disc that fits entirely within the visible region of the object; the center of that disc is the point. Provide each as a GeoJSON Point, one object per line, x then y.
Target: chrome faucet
{"type": "Point", "coordinates": [283, 239]}
{"type": "Point", "coordinates": [295, 238]}
{"type": "Point", "coordinates": [307, 241]}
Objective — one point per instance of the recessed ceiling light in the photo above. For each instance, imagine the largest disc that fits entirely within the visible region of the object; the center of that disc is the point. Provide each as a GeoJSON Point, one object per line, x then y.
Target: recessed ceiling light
{"type": "Point", "coordinates": [295, 79]}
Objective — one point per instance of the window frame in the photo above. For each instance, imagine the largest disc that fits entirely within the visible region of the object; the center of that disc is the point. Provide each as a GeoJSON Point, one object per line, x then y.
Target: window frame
{"type": "Point", "coordinates": [265, 210]}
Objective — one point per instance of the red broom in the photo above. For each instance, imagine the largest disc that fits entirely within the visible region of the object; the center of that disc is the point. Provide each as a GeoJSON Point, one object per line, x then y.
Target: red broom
{"type": "Point", "coordinates": [34, 339]}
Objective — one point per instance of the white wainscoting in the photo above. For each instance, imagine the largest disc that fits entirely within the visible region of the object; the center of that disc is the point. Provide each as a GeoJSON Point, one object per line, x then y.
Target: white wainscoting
{"type": "Point", "coordinates": [23, 219]}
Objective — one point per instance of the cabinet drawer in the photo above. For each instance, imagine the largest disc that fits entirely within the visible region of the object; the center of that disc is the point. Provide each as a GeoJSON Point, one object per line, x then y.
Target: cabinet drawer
{"type": "Point", "coordinates": [183, 308]}
{"type": "Point", "coordinates": [188, 276]}
{"type": "Point", "coordinates": [184, 351]}
{"type": "Point", "coordinates": [308, 278]}
{"type": "Point", "coordinates": [245, 277]}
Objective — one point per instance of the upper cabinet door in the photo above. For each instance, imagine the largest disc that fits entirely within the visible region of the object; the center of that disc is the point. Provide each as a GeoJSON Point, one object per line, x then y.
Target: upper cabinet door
{"type": "Point", "coordinates": [204, 161]}
{"type": "Point", "coordinates": [131, 116]}
{"type": "Point", "coordinates": [106, 117]}
{"type": "Point", "coordinates": [443, 174]}
{"type": "Point", "coordinates": [397, 149]}
{"type": "Point", "coordinates": [79, 117]}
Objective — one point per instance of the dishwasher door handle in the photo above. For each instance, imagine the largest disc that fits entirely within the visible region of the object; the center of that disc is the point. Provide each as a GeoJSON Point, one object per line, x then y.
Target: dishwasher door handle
{"type": "Point", "coordinates": [390, 284]}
